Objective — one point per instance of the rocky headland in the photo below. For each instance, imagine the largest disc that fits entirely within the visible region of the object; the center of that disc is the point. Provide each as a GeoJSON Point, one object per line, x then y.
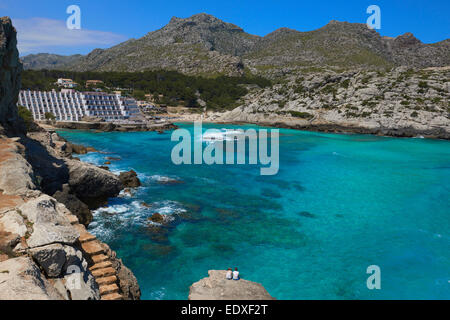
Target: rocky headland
{"type": "Point", "coordinates": [217, 287]}
{"type": "Point", "coordinates": [402, 102]}
{"type": "Point", "coordinates": [45, 200]}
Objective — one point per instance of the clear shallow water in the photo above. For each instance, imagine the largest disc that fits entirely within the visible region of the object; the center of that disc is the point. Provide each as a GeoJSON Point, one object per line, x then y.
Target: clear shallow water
{"type": "Point", "coordinates": [368, 200]}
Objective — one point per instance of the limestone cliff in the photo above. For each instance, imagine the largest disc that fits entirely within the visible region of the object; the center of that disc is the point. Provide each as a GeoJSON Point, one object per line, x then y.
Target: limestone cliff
{"type": "Point", "coordinates": [10, 69]}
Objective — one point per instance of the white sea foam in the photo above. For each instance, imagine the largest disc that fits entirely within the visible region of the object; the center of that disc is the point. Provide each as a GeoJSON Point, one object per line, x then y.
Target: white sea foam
{"type": "Point", "coordinates": [115, 209]}
{"type": "Point", "coordinates": [160, 178]}
{"type": "Point", "coordinates": [108, 219]}
{"type": "Point", "coordinates": [169, 207]}
{"type": "Point", "coordinates": [124, 194]}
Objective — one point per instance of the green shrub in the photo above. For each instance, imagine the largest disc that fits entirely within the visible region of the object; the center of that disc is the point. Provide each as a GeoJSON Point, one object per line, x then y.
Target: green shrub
{"type": "Point", "coordinates": [300, 89]}
{"type": "Point", "coordinates": [367, 103]}
{"type": "Point", "coordinates": [414, 114]}
{"type": "Point", "coordinates": [351, 115]}
{"type": "Point", "coordinates": [302, 115]}
{"type": "Point", "coordinates": [26, 116]}
{"type": "Point", "coordinates": [138, 94]}
{"type": "Point", "coordinates": [365, 80]}
{"type": "Point", "coordinates": [329, 88]}
{"type": "Point", "coordinates": [49, 116]}
{"type": "Point", "coordinates": [436, 100]}
{"type": "Point", "coordinates": [423, 84]}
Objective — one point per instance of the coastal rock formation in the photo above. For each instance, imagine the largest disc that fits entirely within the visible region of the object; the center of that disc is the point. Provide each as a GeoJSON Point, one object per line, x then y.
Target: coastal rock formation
{"type": "Point", "coordinates": [129, 179]}
{"type": "Point", "coordinates": [91, 184]}
{"type": "Point", "coordinates": [42, 228]}
{"type": "Point", "coordinates": [217, 287]}
{"type": "Point", "coordinates": [44, 252]}
{"type": "Point", "coordinates": [78, 149]}
{"type": "Point", "coordinates": [10, 70]}
{"type": "Point", "coordinates": [38, 233]}
{"type": "Point", "coordinates": [74, 183]}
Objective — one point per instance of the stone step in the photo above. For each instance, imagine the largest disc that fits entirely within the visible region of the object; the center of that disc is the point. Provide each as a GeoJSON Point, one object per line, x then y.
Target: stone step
{"type": "Point", "coordinates": [112, 296]}
{"type": "Point", "coordinates": [108, 289]}
{"type": "Point", "coordinates": [81, 229]}
{"type": "Point", "coordinates": [101, 265]}
{"type": "Point", "coordinates": [105, 272]}
{"type": "Point", "coordinates": [92, 248]}
{"type": "Point", "coordinates": [106, 280]}
{"type": "Point", "coordinates": [99, 258]}
{"type": "Point", "coordinates": [87, 237]}
{"type": "Point", "coordinates": [73, 219]}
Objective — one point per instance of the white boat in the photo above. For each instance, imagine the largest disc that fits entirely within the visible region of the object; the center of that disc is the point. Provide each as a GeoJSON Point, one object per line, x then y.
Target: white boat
{"type": "Point", "coordinates": [222, 135]}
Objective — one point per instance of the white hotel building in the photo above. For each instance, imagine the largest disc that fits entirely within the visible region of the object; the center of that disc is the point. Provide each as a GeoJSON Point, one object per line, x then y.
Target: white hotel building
{"type": "Point", "coordinates": [71, 105]}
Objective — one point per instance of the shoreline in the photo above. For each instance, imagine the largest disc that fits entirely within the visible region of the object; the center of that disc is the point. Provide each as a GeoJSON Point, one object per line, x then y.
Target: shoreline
{"type": "Point", "coordinates": [108, 126]}
{"type": "Point", "coordinates": [402, 132]}
{"type": "Point", "coordinates": [437, 133]}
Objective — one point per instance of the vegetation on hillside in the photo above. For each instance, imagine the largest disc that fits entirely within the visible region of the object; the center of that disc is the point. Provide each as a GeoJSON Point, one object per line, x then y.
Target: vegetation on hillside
{"type": "Point", "coordinates": [174, 88]}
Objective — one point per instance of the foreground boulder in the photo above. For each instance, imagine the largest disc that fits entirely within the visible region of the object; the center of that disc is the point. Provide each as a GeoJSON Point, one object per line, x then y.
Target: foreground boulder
{"type": "Point", "coordinates": [217, 287]}
{"type": "Point", "coordinates": [49, 222]}
{"type": "Point", "coordinates": [51, 258]}
{"type": "Point", "coordinates": [21, 279]}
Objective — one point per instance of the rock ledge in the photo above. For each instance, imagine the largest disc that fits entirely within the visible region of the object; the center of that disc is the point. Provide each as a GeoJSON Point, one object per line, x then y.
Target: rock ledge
{"type": "Point", "coordinates": [217, 287]}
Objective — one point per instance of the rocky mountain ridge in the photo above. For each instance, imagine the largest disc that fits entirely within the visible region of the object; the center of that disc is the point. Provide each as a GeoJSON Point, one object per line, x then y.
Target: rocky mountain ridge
{"type": "Point", "coordinates": [205, 45]}
{"type": "Point", "coordinates": [48, 61]}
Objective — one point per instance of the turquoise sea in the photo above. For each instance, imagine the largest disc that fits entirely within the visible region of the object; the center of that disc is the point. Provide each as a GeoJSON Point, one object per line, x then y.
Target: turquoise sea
{"type": "Point", "coordinates": [339, 204]}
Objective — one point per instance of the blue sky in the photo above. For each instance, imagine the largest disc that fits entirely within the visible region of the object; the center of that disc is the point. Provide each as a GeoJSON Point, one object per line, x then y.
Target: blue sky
{"type": "Point", "coordinates": [41, 24]}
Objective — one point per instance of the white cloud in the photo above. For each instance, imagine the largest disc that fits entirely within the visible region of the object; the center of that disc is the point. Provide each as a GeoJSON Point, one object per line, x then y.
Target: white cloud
{"type": "Point", "coordinates": [41, 34]}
